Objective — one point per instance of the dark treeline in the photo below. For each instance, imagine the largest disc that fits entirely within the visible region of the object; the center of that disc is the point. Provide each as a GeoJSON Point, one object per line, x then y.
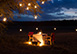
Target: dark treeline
{"type": "Point", "coordinates": [44, 23]}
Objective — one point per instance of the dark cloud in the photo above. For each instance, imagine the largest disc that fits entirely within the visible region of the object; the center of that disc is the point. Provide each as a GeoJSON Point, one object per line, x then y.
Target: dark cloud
{"type": "Point", "coordinates": [56, 10]}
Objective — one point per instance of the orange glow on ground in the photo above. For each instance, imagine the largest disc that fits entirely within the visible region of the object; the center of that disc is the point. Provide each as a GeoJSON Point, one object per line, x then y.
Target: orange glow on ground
{"type": "Point", "coordinates": [30, 43]}
{"type": "Point", "coordinates": [54, 28]}
{"type": "Point", "coordinates": [20, 30]}
{"type": "Point", "coordinates": [20, 4]}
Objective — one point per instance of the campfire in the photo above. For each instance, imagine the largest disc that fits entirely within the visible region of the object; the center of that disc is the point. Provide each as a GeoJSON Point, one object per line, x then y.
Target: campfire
{"type": "Point", "coordinates": [39, 39]}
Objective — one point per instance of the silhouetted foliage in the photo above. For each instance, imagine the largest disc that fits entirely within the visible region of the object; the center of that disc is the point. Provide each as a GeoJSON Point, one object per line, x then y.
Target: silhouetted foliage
{"type": "Point", "coordinates": [8, 6]}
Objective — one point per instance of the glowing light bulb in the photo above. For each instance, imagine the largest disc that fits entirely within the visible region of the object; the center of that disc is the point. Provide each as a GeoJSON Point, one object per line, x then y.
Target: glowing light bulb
{"type": "Point", "coordinates": [35, 6]}
{"type": "Point", "coordinates": [20, 4]}
{"type": "Point", "coordinates": [36, 28]}
{"type": "Point", "coordinates": [43, 2]}
{"type": "Point", "coordinates": [4, 19]}
{"type": "Point", "coordinates": [35, 16]}
{"type": "Point", "coordinates": [27, 8]}
{"type": "Point", "coordinates": [29, 4]}
{"type": "Point", "coordinates": [20, 30]}
{"type": "Point", "coordinates": [54, 28]}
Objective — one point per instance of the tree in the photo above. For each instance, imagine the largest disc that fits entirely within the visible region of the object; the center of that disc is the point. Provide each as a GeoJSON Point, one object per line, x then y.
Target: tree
{"type": "Point", "coordinates": [8, 6]}
{"type": "Point", "coordinates": [23, 6]}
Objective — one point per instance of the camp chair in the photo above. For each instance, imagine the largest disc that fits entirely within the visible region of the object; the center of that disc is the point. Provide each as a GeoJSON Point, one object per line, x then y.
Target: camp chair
{"type": "Point", "coordinates": [53, 38]}
{"type": "Point", "coordinates": [30, 34]}
{"type": "Point", "coordinates": [48, 39]}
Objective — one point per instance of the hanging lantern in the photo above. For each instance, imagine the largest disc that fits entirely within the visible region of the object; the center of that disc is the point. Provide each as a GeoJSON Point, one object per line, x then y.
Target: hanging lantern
{"type": "Point", "coordinates": [54, 28]}
{"type": "Point", "coordinates": [43, 2]}
{"type": "Point", "coordinates": [29, 4]}
{"type": "Point", "coordinates": [5, 19]}
{"type": "Point", "coordinates": [36, 28]}
{"type": "Point", "coordinates": [20, 30]}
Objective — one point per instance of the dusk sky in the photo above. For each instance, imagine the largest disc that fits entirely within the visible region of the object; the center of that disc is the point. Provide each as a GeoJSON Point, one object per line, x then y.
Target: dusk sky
{"type": "Point", "coordinates": [56, 10]}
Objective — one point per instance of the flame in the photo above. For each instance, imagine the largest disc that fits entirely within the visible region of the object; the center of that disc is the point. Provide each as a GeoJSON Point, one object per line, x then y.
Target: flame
{"type": "Point", "coordinates": [40, 32]}
{"type": "Point", "coordinates": [41, 44]}
{"type": "Point", "coordinates": [28, 43]}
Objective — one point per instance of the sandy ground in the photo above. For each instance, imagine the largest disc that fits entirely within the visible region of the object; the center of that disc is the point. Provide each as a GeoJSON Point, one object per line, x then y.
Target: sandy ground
{"type": "Point", "coordinates": [12, 42]}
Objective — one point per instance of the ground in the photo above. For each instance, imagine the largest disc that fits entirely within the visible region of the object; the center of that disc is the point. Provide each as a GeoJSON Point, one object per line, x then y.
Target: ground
{"type": "Point", "coordinates": [12, 42]}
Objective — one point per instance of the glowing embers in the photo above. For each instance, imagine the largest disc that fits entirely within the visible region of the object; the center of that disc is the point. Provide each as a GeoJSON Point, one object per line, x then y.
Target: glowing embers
{"type": "Point", "coordinates": [54, 28]}
{"type": "Point", "coordinates": [30, 43]}
{"type": "Point", "coordinates": [20, 4]}
{"type": "Point", "coordinates": [5, 19]}
{"type": "Point", "coordinates": [34, 43]}
{"type": "Point", "coordinates": [29, 4]}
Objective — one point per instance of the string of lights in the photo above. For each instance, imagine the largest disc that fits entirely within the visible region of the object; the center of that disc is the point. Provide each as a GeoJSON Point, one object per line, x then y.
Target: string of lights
{"type": "Point", "coordinates": [32, 6]}
{"type": "Point", "coordinates": [21, 5]}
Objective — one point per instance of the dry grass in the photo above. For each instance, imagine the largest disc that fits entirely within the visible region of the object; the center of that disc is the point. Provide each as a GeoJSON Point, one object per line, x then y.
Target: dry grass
{"type": "Point", "coordinates": [12, 43]}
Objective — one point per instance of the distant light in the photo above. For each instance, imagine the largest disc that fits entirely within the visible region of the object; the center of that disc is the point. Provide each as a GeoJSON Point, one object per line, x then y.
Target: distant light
{"type": "Point", "coordinates": [36, 28]}
{"type": "Point", "coordinates": [54, 28]}
{"type": "Point", "coordinates": [27, 8]}
{"type": "Point", "coordinates": [35, 16]}
{"type": "Point", "coordinates": [43, 2]}
{"type": "Point", "coordinates": [20, 4]}
{"type": "Point", "coordinates": [30, 43]}
{"type": "Point", "coordinates": [20, 30]}
{"type": "Point", "coordinates": [76, 29]}
{"type": "Point", "coordinates": [35, 6]}
{"type": "Point", "coordinates": [29, 4]}
{"type": "Point", "coordinates": [4, 19]}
